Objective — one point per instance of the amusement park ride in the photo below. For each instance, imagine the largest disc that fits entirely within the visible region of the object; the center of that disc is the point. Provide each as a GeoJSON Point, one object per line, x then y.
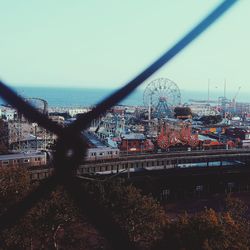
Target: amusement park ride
{"type": "Point", "coordinates": [40, 104]}
{"type": "Point", "coordinates": [23, 137]}
{"type": "Point", "coordinates": [170, 124]}
{"type": "Point", "coordinates": [162, 96]}
{"type": "Point", "coordinates": [177, 135]}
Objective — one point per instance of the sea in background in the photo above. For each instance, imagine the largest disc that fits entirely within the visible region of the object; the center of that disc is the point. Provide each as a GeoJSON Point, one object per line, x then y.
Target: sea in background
{"type": "Point", "coordinates": [84, 97]}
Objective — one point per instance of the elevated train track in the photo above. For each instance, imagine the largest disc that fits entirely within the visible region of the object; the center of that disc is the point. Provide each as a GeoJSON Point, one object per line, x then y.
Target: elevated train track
{"type": "Point", "coordinates": [165, 161]}
{"type": "Point", "coordinates": [156, 162]}
{"type": "Point", "coordinates": [184, 154]}
{"type": "Point", "coordinates": [126, 157]}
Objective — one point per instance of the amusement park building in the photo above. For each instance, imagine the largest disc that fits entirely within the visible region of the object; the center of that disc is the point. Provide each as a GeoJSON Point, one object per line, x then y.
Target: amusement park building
{"type": "Point", "coordinates": [135, 142]}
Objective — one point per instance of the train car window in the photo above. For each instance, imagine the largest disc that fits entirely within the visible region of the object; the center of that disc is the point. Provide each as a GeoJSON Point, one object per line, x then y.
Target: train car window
{"type": "Point", "coordinates": [5, 162]}
{"type": "Point", "coordinates": [26, 160]}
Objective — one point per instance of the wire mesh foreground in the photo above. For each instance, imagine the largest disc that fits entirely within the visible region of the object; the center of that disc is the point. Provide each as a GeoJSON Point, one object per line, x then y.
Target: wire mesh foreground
{"type": "Point", "coordinates": [71, 145]}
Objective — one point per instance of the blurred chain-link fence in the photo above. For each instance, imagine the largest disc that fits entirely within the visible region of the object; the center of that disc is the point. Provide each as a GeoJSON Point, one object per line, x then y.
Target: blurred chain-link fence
{"type": "Point", "coordinates": [71, 146]}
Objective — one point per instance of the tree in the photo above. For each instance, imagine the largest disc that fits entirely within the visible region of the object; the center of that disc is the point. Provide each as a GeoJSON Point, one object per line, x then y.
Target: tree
{"type": "Point", "coordinates": [206, 230]}
{"type": "Point", "coordinates": [14, 184]}
{"type": "Point", "coordinates": [53, 223]}
{"type": "Point", "coordinates": [38, 228]}
{"type": "Point", "coordinates": [140, 216]}
{"type": "Point", "coordinates": [236, 207]}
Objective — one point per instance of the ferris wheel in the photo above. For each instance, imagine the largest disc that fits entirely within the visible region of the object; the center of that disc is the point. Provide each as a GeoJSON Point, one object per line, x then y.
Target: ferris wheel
{"type": "Point", "coordinates": [162, 95]}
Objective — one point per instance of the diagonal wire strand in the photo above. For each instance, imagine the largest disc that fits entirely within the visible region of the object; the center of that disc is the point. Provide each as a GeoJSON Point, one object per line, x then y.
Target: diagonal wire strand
{"type": "Point", "coordinates": [84, 120]}
{"type": "Point", "coordinates": [28, 111]}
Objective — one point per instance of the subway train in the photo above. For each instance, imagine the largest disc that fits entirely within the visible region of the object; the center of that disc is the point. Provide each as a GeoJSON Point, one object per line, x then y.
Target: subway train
{"type": "Point", "coordinates": [42, 158]}
{"type": "Point", "coordinates": [27, 159]}
{"type": "Point", "coordinates": [102, 153]}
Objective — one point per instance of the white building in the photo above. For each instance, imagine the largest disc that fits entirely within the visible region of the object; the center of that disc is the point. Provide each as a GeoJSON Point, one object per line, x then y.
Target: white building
{"type": "Point", "coordinates": [74, 111]}
{"type": "Point", "coordinates": [8, 114]}
{"type": "Point", "coordinates": [203, 109]}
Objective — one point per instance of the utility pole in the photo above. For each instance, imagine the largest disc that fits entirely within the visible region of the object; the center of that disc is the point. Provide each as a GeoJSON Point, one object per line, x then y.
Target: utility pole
{"type": "Point", "coordinates": [225, 87]}
{"type": "Point", "coordinates": [208, 90]}
{"type": "Point", "coordinates": [45, 139]}
{"type": "Point", "coordinates": [19, 131]}
{"type": "Point", "coordinates": [149, 111]}
{"type": "Point", "coordinates": [36, 136]}
{"type": "Point", "coordinates": [128, 171]}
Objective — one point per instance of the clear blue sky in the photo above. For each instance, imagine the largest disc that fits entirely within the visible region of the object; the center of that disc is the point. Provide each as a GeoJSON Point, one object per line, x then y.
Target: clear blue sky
{"type": "Point", "coordinates": [90, 43]}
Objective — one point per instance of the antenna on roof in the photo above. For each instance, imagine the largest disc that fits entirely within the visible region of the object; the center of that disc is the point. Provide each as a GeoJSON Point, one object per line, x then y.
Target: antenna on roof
{"type": "Point", "coordinates": [225, 87]}
{"type": "Point", "coordinates": [208, 90]}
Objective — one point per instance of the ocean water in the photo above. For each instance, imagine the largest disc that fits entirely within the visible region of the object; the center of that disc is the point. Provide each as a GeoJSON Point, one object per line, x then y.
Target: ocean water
{"type": "Point", "coordinates": [83, 97]}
